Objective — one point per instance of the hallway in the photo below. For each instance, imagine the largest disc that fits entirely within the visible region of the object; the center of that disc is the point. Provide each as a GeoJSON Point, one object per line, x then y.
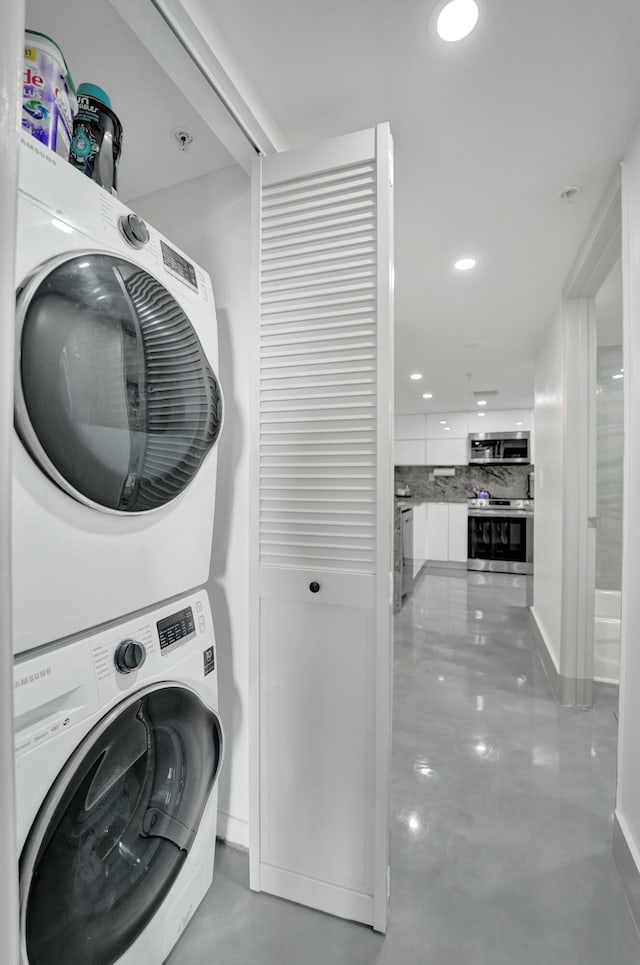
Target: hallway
{"type": "Point", "coordinates": [502, 812]}
{"type": "Point", "coordinates": [503, 799]}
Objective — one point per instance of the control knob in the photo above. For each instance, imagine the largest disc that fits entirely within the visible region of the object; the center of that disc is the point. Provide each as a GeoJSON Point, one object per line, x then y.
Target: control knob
{"type": "Point", "coordinates": [134, 230]}
{"type": "Point", "coordinates": [129, 656]}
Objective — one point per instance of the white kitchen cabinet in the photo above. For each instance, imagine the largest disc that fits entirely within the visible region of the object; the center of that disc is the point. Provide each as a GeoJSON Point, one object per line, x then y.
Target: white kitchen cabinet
{"type": "Point", "coordinates": [440, 438]}
{"type": "Point", "coordinates": [409, 452]}
{"type": "Point", "coordinates": [438, 532]}
{"type": "Point", "coordinates": [446, 452]}
{"type": "Point", "coordinates": [419, 537]}
{"type": "Point", "coordinates": [410, 426]}
{"type": "Point", "coordinates": [458, 532]}
{"type": "Point", "coordinates": [499, 420]}
{"type": "Point", "coordinates": [447, 532]}
{"type": "Point", "coordinates": [456, 421]}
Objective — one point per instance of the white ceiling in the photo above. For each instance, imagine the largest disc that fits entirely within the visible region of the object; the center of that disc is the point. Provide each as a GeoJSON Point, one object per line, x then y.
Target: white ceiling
{"type": "Point", "coordinates": [487, 133]}
{"type": "Point", "coordinates": [99, 48]}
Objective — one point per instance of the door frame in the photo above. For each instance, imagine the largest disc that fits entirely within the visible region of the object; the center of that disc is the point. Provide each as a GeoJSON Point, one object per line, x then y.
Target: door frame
{"type": "Point", "coordinates": [11, 46]}
{"type": "Point", "coordinates": [600, 251]}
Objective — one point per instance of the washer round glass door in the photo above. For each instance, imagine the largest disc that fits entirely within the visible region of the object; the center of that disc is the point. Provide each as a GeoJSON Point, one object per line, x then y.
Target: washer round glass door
{"type": "Point", "coordinates": [116, 828]}
{"type": "Point", "coordinates": [115, 398]}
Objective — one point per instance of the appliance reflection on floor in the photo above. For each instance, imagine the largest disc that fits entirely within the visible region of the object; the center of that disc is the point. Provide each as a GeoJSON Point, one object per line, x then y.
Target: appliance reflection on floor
{"type": "Point", "coordinates": [502, 809]}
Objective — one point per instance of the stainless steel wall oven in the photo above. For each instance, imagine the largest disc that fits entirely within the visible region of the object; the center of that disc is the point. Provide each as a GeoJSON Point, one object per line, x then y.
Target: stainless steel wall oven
{"type": "Point", "coordinates": [500, 535]}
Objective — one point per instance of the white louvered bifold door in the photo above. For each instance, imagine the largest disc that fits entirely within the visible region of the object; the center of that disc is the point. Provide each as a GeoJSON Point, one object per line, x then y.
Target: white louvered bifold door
{"type": "Point", "coordinates": [321, 525]}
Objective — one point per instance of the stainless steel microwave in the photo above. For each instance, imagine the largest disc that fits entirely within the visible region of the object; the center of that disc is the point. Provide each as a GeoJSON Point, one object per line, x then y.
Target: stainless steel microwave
{"type": "Point", "coordinates": [487, 448]}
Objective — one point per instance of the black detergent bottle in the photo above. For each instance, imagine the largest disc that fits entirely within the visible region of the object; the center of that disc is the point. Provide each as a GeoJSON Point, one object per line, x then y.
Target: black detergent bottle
{"type": "Point", "coordinates": [97, 138]}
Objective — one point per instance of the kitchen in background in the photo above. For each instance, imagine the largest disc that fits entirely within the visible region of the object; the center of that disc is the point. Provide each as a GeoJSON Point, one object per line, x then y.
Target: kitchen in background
{"type": "Point", "coordinates": [463, 515]}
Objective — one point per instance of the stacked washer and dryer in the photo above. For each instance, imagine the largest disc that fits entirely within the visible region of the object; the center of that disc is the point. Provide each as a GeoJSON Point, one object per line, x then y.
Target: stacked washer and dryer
{"type": "Point", "coordinates": [118, 738]}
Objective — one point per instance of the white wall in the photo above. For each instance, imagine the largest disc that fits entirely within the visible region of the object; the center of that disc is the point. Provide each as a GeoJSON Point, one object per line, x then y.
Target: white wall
{"type": "Point", "coordinates": [548, 519]}
{"type": "Point", "coordinates": [628, 797]}
{"type": "Point", "coordinates": [209, 218]}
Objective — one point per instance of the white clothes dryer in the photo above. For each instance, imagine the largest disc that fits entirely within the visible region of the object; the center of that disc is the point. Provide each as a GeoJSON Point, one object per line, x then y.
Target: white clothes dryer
{"type": "Point", "coordinates": [118, 750]}
{"type": "Point", "coordinates": [118, 408]}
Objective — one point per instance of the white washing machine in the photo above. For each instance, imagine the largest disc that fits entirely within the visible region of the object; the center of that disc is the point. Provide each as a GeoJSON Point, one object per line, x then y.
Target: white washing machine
{"type": "Point", "coordinates": [118, 409]}
{"type": "Point", "coordinates": [118, 749]}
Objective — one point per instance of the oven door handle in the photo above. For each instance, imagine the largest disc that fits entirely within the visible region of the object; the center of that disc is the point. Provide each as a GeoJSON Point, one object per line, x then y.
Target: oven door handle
{"type": "Point", "coordinates": [497, 514]}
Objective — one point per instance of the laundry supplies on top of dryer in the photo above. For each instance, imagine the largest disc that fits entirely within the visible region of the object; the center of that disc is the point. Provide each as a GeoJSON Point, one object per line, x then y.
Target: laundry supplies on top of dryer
{"type": "Point", "coordinates": [97, 138]}
{"type": "Point", "coordinates": [48, 94]}
{"type": "Point", "coordinates": [118, 409]}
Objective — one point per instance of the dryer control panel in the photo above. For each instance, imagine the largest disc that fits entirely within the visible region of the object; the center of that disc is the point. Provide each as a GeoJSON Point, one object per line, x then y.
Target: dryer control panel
{"type": "Point", "coordinates": [74, 203]}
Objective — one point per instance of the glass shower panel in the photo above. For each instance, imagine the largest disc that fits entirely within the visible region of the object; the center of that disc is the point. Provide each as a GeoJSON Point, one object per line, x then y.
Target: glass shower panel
{"type": "Point", "coordinates": [609, 491]}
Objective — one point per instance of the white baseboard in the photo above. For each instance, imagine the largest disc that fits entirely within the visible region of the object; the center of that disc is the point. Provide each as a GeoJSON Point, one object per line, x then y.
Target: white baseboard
{"type": "Point", "coordinates": [628, 863]}
{"type": "Point", "coordinates": [568, 691]}
{"type": "Point", "coordinates": [545, 639]}
{"type": "Point", "coordinates": [319, 895]}
{"type": "Point", "coordinates": [547, 657]}
{"type": "Point", "coordinates": [233, 830]}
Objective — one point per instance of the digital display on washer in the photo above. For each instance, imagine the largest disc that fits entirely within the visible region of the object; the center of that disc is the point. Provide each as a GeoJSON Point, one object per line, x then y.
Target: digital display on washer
{"type": "Point", "coordinates": [178, 626]}
{"type": "Point", "coordinates": [179, 266]}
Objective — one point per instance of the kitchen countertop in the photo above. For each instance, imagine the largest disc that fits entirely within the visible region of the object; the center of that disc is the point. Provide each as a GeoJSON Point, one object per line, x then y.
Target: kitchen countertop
{"type": "Point", "coordinates": [403, 503]}
{"type": "Point", "coordinates": [408, 502]}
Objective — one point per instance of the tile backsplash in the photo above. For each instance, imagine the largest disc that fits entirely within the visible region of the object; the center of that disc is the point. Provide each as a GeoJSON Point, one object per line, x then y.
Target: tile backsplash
{"type": "Point", "coordinates": [500, 481]}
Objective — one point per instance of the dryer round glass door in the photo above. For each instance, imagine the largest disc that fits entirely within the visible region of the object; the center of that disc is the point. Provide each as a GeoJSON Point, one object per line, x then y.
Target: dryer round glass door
{"type": "Point", "coordinates": [116, 828]}
{"type": "Point", "coordinates": [115, 398]}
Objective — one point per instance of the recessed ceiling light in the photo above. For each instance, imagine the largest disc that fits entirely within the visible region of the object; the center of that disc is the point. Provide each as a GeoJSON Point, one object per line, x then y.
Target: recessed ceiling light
{"type": "Point", "coordinates": [427, 395]}
{"type": "Point", "coordinates": [464, 264]}
{"type": "Point", "coordinates": [443, 422]}
{"type": "Point", "coordinates": [457, 19]}
{"type": "Point", "coordinates": [481, 415]}
{"type": "Point", "coordinates": [482, 401]}
{"type": "Point", "coordinates": [620, 376]}
{"type": "Point", "coordinates": [518, 423]}
{"type": "Point", "coordinates": [416, 375]}
{"type": "Point", "coordinates": [447, 428]}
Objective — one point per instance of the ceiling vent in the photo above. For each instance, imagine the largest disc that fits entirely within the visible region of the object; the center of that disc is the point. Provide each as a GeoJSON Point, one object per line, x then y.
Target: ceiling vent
{"type": "Point", "coordinates": [485, 393]}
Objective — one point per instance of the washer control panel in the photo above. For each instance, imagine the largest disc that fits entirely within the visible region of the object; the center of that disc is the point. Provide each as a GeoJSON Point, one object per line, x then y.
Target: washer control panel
{"type": "Point", "coordinates": [175, 629]}
{"type": "Point", "coordinates": [59, 686]}
{"type": "Point", "coordinates": [125, 656]}
{"type": "Point", "coordinates": [129, 655]}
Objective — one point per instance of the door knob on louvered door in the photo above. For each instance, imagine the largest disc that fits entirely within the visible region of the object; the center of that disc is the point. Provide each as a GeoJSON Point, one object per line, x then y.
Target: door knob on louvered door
{"type": "Point", "coordinates": [314, 587]}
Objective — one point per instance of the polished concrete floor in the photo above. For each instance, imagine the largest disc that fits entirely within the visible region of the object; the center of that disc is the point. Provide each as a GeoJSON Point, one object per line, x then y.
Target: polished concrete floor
{"type": "Point", "coordinates": [502, 812]}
